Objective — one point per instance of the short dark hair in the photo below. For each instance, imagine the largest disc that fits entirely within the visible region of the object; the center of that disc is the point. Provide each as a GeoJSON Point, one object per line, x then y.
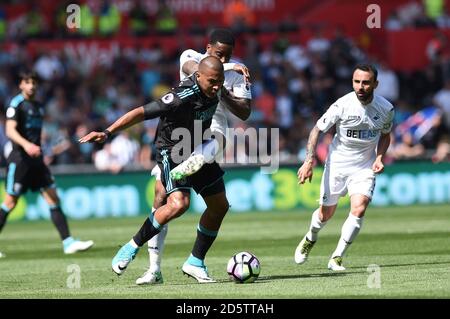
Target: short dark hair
{"type": "Point", "coordinates": [28, 74]}
{"type": "Point", "coordinates": [368, 68]}
{"type": "Point", "coordinates": [221, 35]}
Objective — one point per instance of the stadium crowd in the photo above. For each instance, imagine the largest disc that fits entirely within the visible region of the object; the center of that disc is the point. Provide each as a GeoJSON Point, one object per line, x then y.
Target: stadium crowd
{"type": "Point", "coordinates": [292, 85]}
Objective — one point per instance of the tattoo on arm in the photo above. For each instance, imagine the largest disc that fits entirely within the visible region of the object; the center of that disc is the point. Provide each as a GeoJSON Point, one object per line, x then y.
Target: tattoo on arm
{"type": "Point", "coordinates": [312, 143]}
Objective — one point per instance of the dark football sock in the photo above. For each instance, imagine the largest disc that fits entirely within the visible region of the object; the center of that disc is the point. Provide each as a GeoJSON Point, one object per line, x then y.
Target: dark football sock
{"type": "Point", "coordinates": [150, 228]}
{"type": "Point", "coordinates": [3, 216]}
{"type": "Point", "coordinates": [203, 242]}
{"type": "Point", "coordinates": [60, 222]}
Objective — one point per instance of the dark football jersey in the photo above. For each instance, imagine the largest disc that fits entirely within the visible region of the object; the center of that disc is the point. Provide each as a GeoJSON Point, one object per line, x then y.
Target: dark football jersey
{"type": "Point", "coordinates": [29, 117]}
{"type": "Point", "coordinates": [185, 108]}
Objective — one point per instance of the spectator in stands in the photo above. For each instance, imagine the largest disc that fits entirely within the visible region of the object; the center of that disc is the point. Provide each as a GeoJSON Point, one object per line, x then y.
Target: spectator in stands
{"type": "Point", "coordinates": [49, 67]}
{"type": "Point", "coordinates": [443, 21]}
{"type": "Point", "coordinates": [433, 8]}
{"type": "Point", "coordinates": [284, 109]}
{"type": "Point", "coordinates": [238, 17]}
{"type": "Point", "coordinates": [318, 44]}
{"type": "Point", "coordinates": [388, 85]}
{"type": "Point", "coordinates": [82, 152]}
{"type": "Point", "coordinates": [438, 47]}
{"type": "Point", "coordinates": [104, 160]}
{"type": "Point", "coordinates": [442, 100]}
{"type": "Point", "coordinates": [393, 23]}
{"type": "Point", "coordinates": [124, 149]}
{"type": "Point", "coordinates": [109, 19]}
{"type": "Point", "coordinates": [139, 20]}
{"type": "Point", "coordinates": [165, 21]}
{"type": "Point", "coordinates": [87, 27]}
{"type": "Point", "coordinates": [3, 23]}
{"type": "Point", "coordinates": [265, 103]}
{"type": "Point", "coordinates": [35, 23]}
{"type": "Point", "coordinates": [419, 132]}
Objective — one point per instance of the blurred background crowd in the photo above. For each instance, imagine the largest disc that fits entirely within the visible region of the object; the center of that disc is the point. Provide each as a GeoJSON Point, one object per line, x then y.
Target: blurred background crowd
{"type": "Point", "coordinates": [125, 53]}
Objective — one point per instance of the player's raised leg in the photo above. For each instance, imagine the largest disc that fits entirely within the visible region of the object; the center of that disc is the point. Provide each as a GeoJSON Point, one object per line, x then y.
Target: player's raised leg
{"type": "Point", "coordinates": [207, 230]}
{"type": "Point", "coordinates": [70, 245]}
{"type": "Point", "coordinates": [203, 153]}
{"type": "Point", "coordinates": [350, 229]}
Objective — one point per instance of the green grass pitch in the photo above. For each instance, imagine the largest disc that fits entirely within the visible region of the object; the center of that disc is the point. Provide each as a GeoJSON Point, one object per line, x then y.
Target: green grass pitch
{"type": "Point", "coordinates": [411, 245]}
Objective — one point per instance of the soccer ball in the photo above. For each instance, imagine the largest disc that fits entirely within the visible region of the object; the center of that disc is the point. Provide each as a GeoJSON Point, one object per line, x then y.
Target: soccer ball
{"type": "Point", "coordinates": [243, 267]}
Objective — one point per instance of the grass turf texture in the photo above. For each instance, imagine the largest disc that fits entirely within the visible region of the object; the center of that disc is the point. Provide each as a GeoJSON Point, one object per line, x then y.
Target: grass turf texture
{"type": "Point", "coordinates": [409, 244]}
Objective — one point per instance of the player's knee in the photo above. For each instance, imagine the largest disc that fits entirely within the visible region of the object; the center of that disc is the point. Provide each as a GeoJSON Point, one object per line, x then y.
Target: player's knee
{"type": "Point", "coordinates": [359, 211]}
{"type": "Point", "coordinates": [326, 212]}
{"type": "Point", "coordinates": [178, 205]}
{"type": "Point", "coordinates": [358, 208]}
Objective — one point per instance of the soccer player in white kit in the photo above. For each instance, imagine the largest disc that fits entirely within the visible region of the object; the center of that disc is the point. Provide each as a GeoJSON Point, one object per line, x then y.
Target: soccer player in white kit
{"type": "Point", "coordinates": [221, 45]}
{"type": "Point", "coordinates": [363, 122]}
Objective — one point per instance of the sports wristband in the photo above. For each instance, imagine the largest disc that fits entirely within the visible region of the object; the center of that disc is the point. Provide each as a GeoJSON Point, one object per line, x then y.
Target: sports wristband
{"type": "Point", "coordinates": [107, 133]}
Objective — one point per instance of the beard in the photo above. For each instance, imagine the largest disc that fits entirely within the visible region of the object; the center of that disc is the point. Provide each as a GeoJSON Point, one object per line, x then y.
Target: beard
{"type": "Point", "coordinates": [364, 97]}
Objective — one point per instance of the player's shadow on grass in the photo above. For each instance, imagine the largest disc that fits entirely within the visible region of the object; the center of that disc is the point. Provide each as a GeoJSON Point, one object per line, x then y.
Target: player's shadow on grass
{"type": "Point", "coordinates": [318, 275]}
{"type": "Point", "coordinates": [404, 265]}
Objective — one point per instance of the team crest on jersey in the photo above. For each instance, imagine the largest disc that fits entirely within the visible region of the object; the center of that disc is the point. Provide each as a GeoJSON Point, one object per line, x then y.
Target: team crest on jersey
{"type": "Point", "coordinates": [10, 112]}
{"type": "Point", "coordinates": [17, 188]}
{"type": "Point", "coordinates": [168, 98]}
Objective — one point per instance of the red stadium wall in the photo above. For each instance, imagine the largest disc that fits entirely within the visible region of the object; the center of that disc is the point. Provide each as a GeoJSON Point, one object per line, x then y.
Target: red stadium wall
{"type": "Point", "coordinates": [407, 48]}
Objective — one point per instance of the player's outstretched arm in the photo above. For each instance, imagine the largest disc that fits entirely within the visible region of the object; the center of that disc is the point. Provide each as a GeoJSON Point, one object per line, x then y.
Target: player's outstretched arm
{"type": "Point", "coordinates": [125, 121]}
{"type": "Point", "coordinates": [240, 107]}
{"type": "Point", "coordinates": [383, 145]}
{"type": "Point", "coordinates": [305, 172]}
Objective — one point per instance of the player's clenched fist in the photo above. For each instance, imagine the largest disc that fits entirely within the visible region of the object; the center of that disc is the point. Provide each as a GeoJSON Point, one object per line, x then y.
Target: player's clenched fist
{"type": "Point", "coordinates": [378, 167]}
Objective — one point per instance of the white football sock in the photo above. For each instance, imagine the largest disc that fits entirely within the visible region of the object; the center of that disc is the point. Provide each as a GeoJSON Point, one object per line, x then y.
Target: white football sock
{"type": "Point", "coordinates": [156, 247]}
{"type": "Point", "coordinates": [208, 149]}
{"type": "Point", "coordinates": [350, 230]}
{"type": "Point", "coordinates": [315, 227]}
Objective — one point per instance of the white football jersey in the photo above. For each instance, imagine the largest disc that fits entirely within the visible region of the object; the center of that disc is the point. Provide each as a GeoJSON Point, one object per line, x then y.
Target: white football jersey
{"type": "Point", "coordinates": [234, 82]}
{"type": "Point", "coordinates": [358, 129]}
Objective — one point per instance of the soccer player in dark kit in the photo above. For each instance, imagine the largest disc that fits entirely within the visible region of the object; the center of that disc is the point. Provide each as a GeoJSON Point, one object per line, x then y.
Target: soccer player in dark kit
{"type": "Point", "coordinates": [195, 99]}
{"type": "Point", "coordinates": [26, 168]}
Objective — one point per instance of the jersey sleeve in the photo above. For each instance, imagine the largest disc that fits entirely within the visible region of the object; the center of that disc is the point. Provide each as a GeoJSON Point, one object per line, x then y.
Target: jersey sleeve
{"type": "Point", "coordinates": [330, 117]}
{"type": "Point", "coordinates": [387, 126]}
{"type": "Point", "coordinates": [166, 104]}
{"type": "Point", "coordinates": [240, 89]}
{"type": "Point", "coordinates": [189, 55]}
{"type": "Point", "coordinates": [12, 113]}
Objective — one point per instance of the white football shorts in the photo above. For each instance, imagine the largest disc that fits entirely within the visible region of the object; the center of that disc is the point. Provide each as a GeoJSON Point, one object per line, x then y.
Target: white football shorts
{"type": "Point", "coordinates": [336, 184]}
